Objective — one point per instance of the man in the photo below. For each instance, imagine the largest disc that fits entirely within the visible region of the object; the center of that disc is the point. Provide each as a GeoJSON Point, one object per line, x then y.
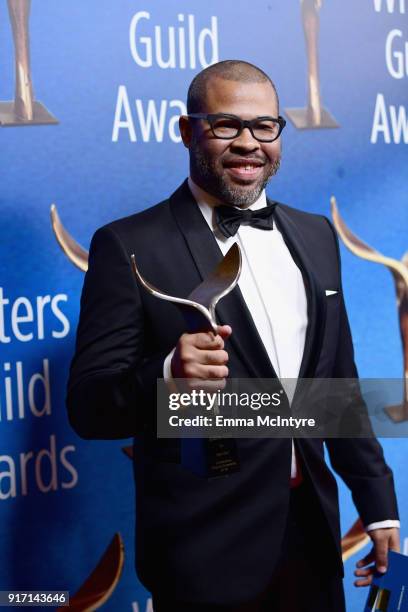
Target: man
{"type": "Point", "coordinates": [267, 536]}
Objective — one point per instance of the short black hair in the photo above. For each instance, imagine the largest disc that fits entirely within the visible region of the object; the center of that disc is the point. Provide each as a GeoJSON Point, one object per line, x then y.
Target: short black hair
{"type": "Point", "coordinates": [231, 70]}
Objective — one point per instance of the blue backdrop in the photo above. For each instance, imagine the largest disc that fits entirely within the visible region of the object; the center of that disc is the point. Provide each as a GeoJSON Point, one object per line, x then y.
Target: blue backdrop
{"type": "Point", "coordinates": [97, 66]}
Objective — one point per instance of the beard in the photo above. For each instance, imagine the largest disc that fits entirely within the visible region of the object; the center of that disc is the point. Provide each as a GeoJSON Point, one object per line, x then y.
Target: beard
{"type": "Point", "coordinates": [204, 168]}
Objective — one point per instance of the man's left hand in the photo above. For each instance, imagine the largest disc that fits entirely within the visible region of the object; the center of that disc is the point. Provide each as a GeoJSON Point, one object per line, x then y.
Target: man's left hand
{"type": "Point", "coordinates": [383, 540]}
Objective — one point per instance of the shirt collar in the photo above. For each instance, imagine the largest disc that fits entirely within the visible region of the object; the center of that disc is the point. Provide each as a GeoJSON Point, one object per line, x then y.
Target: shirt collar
{"type": "Point", "coordinates": [206, 202]}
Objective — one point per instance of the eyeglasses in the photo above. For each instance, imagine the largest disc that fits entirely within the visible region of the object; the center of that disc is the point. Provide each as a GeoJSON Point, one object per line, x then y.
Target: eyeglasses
{"type": "Point", "coordinates": [227, 127]}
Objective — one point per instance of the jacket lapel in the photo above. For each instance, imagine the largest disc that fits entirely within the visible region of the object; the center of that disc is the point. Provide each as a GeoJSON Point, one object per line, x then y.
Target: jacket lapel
{"type": "Point", "coordinates": [231, 309]}
{"type": "Point", "coordinates": [316, 302]}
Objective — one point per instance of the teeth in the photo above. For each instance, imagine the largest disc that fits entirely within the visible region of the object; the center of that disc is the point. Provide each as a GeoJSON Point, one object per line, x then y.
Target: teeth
{"type": "Point", "coordinates": [246, 168]}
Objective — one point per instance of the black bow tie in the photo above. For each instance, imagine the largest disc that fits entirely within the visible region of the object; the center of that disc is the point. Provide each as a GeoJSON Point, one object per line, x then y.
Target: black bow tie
{"type": "Point", "coordinates": [229, 218]}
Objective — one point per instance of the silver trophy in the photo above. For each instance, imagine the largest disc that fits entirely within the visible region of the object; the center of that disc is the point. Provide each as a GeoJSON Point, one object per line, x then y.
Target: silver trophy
{"type": "Point", "coordinates": [207, 457]}
{"type": "Point", "coordinates": [199, 308]}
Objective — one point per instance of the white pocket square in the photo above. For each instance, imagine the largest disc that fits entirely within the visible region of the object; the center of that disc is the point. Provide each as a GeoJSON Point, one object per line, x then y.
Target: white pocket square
{"type": "Point", "coordinates": [331, 292]}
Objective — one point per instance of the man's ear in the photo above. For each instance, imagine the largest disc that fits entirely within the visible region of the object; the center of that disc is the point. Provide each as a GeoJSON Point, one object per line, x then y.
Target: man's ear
{"type": "Point", "coordinates": [185, 130]}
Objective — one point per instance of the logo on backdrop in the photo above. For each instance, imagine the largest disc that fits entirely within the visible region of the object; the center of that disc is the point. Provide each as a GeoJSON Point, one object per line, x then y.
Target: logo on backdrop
{"type": "Point", "coordinates": [314, 116]}
{"type": "Point", "coordinates": [24, 109]}
{"type": "Point", "coordinates": [26, 397]}
{"type": "Point", "coordinates": [390, 122]}
{"type": "Point", "coordinates": [187, 46]}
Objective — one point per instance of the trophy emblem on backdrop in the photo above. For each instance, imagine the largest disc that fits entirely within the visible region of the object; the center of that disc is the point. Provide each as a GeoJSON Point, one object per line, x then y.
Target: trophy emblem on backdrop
{"type": "Point", "coordinates": [399, 271]}
{"type": "Point", "coordinates": [24, 109]}
{"type": "Point", "coordinates": [314, 116]}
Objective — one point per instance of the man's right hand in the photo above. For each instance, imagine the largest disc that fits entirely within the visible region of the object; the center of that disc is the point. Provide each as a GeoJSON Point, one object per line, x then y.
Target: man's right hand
{"type": "Point", "coordinates": [201, 357]}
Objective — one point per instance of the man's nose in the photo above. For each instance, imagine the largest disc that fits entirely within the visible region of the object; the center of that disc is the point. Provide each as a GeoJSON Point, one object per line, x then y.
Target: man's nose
{"type": "Point", "coordinates": [245, 141]}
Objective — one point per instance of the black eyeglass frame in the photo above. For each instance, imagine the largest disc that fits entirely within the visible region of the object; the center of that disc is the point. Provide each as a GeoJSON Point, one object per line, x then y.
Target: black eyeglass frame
{"type": "Point", "coordinates": [211, 117]}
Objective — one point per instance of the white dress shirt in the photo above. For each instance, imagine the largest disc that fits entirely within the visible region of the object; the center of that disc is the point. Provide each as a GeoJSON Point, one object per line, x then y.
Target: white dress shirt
{"type": "Point", "coordinates": [273, 289]}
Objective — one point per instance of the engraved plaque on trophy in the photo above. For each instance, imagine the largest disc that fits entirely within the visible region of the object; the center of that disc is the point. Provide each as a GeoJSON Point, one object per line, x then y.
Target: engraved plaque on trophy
{"type": "Point", "coordinates": [314, 116]}
{"type": "Point", "coordinates": [24, 109]}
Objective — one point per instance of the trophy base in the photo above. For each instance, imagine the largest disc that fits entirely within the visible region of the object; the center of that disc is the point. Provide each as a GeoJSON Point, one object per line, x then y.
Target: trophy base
{"type": "Point", "coordinates": [8, 117]}
{"type": "Point", "coordinates": [210, 457]}
{"type": "Point", "coordinates": [302, 119]}
{"type": "Point", "coordinates": [397, 413]}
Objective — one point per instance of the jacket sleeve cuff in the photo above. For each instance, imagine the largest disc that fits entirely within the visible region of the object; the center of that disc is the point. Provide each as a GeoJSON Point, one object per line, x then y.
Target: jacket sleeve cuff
{"type": "Point", "coordinates": [382, 525]}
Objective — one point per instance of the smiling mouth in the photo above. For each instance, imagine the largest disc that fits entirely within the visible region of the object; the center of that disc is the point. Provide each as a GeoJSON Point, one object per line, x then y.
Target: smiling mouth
{"type": "Point", "coordinates": [244, 169]}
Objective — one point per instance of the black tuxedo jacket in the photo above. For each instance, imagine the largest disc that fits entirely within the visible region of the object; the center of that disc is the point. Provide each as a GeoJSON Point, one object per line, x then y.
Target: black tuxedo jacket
{"type": "Point", "coordinates": [198, 539]}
